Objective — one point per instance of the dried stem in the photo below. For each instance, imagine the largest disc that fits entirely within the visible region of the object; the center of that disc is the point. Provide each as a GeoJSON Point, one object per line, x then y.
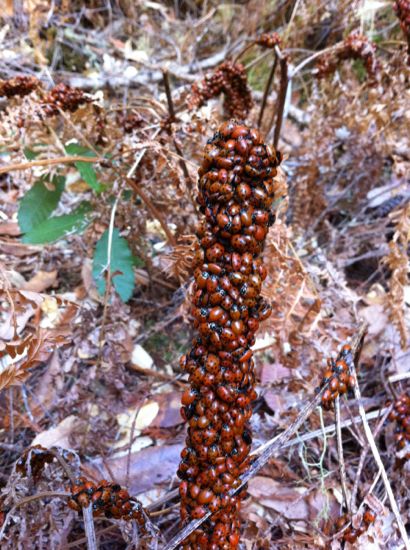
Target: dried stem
{"type": "Point", "coordinates": [267, 89]}
{"type": "Point", "coordinates": [283, 88]}
{"type": "Point", "coordinates": [342, 468]}
{"type": "Point", "coordinates": [172, 117]}
{"type": "Point", "coordinates": [385, 413]}
{"type": "Point", "coordinates": [46, 162]}
{"type": "Point", "coordinates": [89, 527]}
{"type": "Point", "coordinates": [378, 460]}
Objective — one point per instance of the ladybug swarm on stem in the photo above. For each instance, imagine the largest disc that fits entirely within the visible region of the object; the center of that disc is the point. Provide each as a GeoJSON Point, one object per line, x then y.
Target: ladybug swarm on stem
{"type": "Point", "coordinates": [236, 192]}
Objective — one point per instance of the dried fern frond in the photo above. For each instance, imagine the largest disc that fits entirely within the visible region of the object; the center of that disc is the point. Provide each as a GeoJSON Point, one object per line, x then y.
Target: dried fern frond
{"type": "Point", "coordinates": [398, 262]}
{"type": "Point", "coordinates": [178, 263]}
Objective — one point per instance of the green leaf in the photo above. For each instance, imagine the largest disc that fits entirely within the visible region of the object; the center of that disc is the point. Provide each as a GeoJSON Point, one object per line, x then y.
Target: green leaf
{"type": "Point", "coordinates": [86, 169]}
{"type": "Point", "coordinates": [55, 228]}
{"type": "Point", "coordinates": [39, 202]}
{"type": "Point", "coordinates": [29, 153]}
{"type": "Point", "coordinates": [121, 265]}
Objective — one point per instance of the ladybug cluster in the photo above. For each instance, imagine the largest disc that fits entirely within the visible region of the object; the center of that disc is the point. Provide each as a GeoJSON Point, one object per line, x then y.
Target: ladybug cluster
{"type": "Point", "coordinates": [401, 415]}
{"type": "Point", "coordinates": [65, 98]}
{"type": "Point", "coordinates": [236, 192]}
{"type": "Point", "coordinates": [402, 9]}
{"type": "Point", "coordinates": [355, 46]}
{"type": "Point", "coordinates": [18, 86]}
{"type": "Point", "coordinates": [338, 376]}
{"type": "Point", "coordinates": [269, 40]}
{"type": "Point", "coordinates": [230, 79]}
{"type": "Point", "coordinates": [106, 498]}
{"type": "Point", "coordinates": [351, 534]}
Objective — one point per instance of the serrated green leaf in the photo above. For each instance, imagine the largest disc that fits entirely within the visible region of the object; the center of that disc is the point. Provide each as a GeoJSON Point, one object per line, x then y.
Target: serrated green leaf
{"type": "Point", "coordinates": [86, 169]}
{"type": "Point", "coordinates": [55, 228]}
{"type": "Point", "coordinates": [39, 202]}
{"type": "Point", "coordinates": [121, 265]}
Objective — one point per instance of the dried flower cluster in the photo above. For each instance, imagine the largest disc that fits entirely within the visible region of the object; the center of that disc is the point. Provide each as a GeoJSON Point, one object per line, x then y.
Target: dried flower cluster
{"type": "Point", "coordinates": [106, 498]}
{"type": "Point", "coordinates": [351, 534]}
{"type": "Point", "coordinates": [338, 374]}
{"type": "Point", "coordinates": [230, 79]}
{"type": "Point", "coordinates": [401, 415]}
{"type": "Point", "coordinates": [269, 40]}
{"type": "Point", "coordinates": [355, 46]}
{"type": "Point", "coordinates": [18, 86]}
{"type": "Point", "coordinates": [236, 192]}
{"type": "Point", "coordinates": [402, 9]}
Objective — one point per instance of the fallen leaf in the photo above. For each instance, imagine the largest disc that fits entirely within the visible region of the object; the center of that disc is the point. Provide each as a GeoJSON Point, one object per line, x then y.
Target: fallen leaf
{"type": "Point", "coordinates": [274, 373]}
{"type": "Point", "coordinates": [148, 467]}
{"type": "Point", "coordinates": [41, 281]}
{"type": "Point", "coordinates": [58, 436]}
{"type": "Point", "coordinates": [10, 228]}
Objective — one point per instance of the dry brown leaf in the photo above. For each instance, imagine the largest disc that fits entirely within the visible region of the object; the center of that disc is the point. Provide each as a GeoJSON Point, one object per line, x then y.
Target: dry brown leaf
{"type": "Point", "coordinates": [10, 229]}
{"type": "Point", "coordinates": [149, 466]}
{"type": "Point", "coordinates": [41, 281]}
{"type": "Point", "coordinates": [58, 436]}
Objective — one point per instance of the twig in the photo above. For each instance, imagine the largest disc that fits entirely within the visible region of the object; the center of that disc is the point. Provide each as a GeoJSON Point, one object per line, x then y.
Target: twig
{"type": "Point", "coordinates": [378, 460]}
{"type": "Point", "coordinates": [107, 269]}
{"type": "Point", "coordinates": [89, 527]}
{"type": "Point", "coordinates": [384, 413]}
{"type": "Point", "coordinates": [307, 60]}
{"type": "Point", "coordinates": [267, 88]}
{"type": "Point", "coordinates": [292, 17]}
{"type": "Point", "coordinates": [266, 454]}
{"type": "Point", "coordinates": [342, 468]}
{"type": "Point", "coordinates": [283, 88]}
{"type": "Point", "coordinates": [46, 162]}
{"type": "Point", "coordinates": [170, 103]}
{"type": "Point", "coordinates": [172, 118]}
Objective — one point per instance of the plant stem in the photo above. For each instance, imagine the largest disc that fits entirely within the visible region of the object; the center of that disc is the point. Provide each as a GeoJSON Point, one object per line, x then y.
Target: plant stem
{"type": "Point", "coordinates": [267, 88]}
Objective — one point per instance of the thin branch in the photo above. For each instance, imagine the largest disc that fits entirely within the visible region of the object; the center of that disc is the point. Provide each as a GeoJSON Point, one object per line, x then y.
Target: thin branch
{"type": "Point", "coordinates": [46, 162]}
{"type": "Point", "coordinates": [283, 88]}
{"type": "Point", "coordinates": [342, 468]}
{"type": "Point", "coordinates": [267, 89]}
{"type": "Point", "coordinates": [172, 118]}
{"type": "Point", "coordinates": [167, 86]}
{"type": "Point", "coordinates": [89, 527]}
{"type": "Point", "coordinates": [384, 414]}
{"type": "Point", "coordinates": [107, 269]}
{"type": "Point", "coordinates": [378, 460]}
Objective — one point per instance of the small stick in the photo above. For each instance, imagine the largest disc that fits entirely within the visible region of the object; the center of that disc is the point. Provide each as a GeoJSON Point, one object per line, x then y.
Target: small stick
{"type": "Point", "coordinates": [378, 460]}
{"type": "Point", "coordinates": [284, 81]}
{"type": "Point", "coordinates": [267, 88]}
{"type": "Point", "coordinates": [172, 118]}
{"type": "Point", "coordinates": [342, 468]}
{"type": "Point", "coordinates": [89, 527]}
{"type": "Point", "coordinates": [384, 414]}
{"type": "Point", "coordinates": [46, 162]}
{"type": "Point", "coordinates": [171, 109]}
